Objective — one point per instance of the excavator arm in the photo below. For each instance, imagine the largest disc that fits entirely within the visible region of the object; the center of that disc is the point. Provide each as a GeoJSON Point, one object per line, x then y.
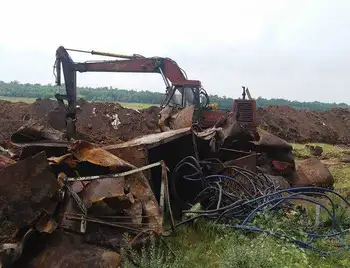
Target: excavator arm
{"type": "Point", "coordinates": [173, 76]}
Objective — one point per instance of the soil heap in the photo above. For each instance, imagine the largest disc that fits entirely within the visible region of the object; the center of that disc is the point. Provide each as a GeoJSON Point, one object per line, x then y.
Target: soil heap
{"type": "Point", "coordinates": [293, 125]}
{"type": "Point", "coordinates": [110, 123]}
{"type": "Point", "coordinates": [100, 122]}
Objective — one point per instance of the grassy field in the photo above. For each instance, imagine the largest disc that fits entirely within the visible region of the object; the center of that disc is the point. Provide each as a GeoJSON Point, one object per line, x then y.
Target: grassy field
{"type": "Point", "coordinates": [204, 244]}
{"type": "Point", "coordinates": [129, 105]}
{"type": "Point", "coordinates": [133, 105]}
{"type": "Point", "coordinates": [18, 99]}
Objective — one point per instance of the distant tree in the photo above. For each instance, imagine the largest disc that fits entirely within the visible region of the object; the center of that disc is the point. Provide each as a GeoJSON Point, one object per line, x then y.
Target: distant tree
{"type": "Point", "coordinates": [16, 89]}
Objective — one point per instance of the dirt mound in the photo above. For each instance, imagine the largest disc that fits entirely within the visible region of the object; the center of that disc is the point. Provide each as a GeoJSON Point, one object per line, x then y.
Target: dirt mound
{"type": "Point", "coordinates": [305, 125]}
{"type": "Point", "coordinates": [103, 123]}
{"type": "Point", "coordinates": [13, 110]}
{"type": "Point", "coordinates": [40, 108]}
{"type": "Point", "coordinates": [108, 123]}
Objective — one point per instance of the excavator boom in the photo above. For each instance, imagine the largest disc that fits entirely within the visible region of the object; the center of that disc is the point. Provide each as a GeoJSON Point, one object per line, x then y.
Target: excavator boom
{"type": "Point", "coordinates": [135, 64]}
{"type": "Point", "coordinates": [150, 65]}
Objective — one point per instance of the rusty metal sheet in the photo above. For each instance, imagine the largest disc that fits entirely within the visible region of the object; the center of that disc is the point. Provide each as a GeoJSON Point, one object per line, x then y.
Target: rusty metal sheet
{"type": "Point", "coordinates": [171, 118]}
{"type": "Point", "coordinates": [246, 162]}
{"type": "Point", "coordinates": [268, 139]}
{"type": "Point", "coordinates": [27, 188]}
{"type": "Point", "coordinates": [85, 151]}
{"type": "Point", "coordinates": [152, 139]}
{"type": "Point", "coordinates": [207, 134]}
{"type": "Point", "coordinates": [136, 150]}
{"type": "Point", "coordinates": [141, 190]}
{"type": "Point", "coordinates": [46, 224]}
{"type": "Point", "coordinates": [226, 127]}
{"type": "Point", "coordinates": [106, 196]}
{"type": "Point", "coordinates": [115, 206]}
{"type": "Point", "coordinates": [128, 195]}
{"type": "Point", "coordinates": [70, 207]}
{"type": "Point", "coordinates": [51, 148]}
{"type": "Point", "coordinates": [5, 161]}
{"type": "Point", "coordinates": [120, 196]}
{"type": "Point", "coordinates": [183, 118]}
{"type": "Point", "coordinates": [135, 155]}
{"type": "Point", "coordinates": [67, 251]}
{"type": "Point", "coordinates": [36, 131]}
{"type": "Point", "coordinates": [311, 171]}
{"type": "Point", "coordinates": [164, 118]}
{"type": "Point", "coordinates": [64, 159]}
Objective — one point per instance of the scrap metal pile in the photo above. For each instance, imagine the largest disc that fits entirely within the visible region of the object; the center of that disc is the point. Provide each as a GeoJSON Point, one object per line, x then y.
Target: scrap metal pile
{"type": "Point", "coordinates": [83, 198]}
{"type": "Point", "coordinates": [69, 204]}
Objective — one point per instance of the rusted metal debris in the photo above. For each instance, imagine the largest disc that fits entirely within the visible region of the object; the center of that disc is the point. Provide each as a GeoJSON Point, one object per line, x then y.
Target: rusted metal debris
{"type": "Point", "coordinates": [87, 152]}
{"type": "Point", "coordinates": [36, 130]}
{"type": "Point", "coordinates": [312, 172]}
{"type": "Point", "coordinates": [267, 139]}
{"type": "Point", "coordinates": [51, 148]}
{"type": "Point", "coordinates": [27, 192]}
{"type": "Point", "coordinates": [170, 118]}
{"type": "Point", "coordinates": [111, 194]}
{"type": "Point", "coordinates": [89, 191]}
{"type": "Point", "coordinates": [5, 161]}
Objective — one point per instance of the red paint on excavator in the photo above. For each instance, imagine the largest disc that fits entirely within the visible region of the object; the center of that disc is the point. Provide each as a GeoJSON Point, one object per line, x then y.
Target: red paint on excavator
{"type": "Point", "coordinates": [210, 117]}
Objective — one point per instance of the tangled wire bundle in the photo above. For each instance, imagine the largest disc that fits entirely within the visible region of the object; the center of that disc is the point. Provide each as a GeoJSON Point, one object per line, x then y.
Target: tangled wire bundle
{"type": "Point", "coordinates": [235, 200]}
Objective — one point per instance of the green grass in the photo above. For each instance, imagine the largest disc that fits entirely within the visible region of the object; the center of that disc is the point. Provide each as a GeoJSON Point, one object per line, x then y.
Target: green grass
{"type": "Point", "coordinates": [329, 151]}
{"type": "Point", "coordinates": [341, 175]}
{"type": "Point", "coordinates": [134, 105]}
{"type": "Point", "coordinates": [18, 99]}
{"type": "Point", "coordinates": [207, 245]}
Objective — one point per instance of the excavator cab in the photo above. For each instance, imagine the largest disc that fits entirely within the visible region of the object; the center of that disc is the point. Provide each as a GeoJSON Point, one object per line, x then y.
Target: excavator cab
{"type": "Point", "coordinates": [184, 96]}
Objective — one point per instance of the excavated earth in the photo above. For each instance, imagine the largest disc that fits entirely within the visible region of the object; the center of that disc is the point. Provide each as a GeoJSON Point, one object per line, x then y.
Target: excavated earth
{"type": "Point", "coordinates": [331, 126]}
{"type": "Point", "coordinates": [102, 123]}
{"type": "Point", "coordinates": [97, 122]}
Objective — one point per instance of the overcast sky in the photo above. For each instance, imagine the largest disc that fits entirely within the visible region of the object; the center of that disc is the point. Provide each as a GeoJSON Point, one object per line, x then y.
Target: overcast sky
{"type": "Point", "coordinates": [297, 50]}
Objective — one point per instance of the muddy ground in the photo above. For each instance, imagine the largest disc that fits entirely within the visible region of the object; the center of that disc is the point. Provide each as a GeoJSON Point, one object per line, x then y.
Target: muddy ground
{"type": "Point", "coordinates": [97, 122]}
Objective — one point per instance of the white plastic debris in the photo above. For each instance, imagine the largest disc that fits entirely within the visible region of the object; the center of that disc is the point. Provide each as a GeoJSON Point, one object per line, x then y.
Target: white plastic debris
{"type": "Point", "coordinates": [116, 122]}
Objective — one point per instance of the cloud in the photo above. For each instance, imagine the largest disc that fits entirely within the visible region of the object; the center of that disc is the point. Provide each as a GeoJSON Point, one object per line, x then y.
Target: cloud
{"type": "Point", "coordinates": [291, 49]}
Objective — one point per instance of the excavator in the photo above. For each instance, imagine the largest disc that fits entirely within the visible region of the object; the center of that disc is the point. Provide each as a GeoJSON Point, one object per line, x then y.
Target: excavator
{"type": "Point", "coordinates": [181, 92]}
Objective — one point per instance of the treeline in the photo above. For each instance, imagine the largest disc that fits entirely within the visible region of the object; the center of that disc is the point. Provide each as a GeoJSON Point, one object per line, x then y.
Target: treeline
{"type": "Point", "coordinates": [16, 89]}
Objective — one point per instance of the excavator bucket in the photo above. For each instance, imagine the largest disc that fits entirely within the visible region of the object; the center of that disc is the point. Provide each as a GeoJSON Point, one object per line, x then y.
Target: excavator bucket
{"type": "Point", "coordinates": [58, 120]}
